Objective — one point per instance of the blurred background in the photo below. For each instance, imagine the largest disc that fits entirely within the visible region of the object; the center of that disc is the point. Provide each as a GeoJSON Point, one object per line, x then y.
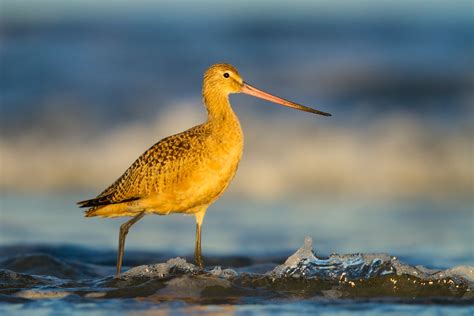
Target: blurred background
{"type": "Point", "coordinates": [87, 86]}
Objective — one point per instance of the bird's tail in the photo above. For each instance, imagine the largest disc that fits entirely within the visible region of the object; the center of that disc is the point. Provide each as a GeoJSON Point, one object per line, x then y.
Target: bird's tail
{"type": "Point", "coordinates": [98, 201]}
{"type": "Point", "coordinates": [107, 206]}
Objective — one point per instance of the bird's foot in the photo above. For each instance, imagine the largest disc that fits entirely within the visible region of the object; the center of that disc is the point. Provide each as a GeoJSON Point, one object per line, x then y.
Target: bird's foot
{"type": "Point", "coordinates": [199, 262]}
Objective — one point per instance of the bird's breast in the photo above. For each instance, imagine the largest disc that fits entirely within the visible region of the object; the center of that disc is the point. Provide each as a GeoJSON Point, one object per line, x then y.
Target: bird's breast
{"type": "Point", "coordinates": [217, 166]}
{"type": "Point", "coordinates": [204, 173]}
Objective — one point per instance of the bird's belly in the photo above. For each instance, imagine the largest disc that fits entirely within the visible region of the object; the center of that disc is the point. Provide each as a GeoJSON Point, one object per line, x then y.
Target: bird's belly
{"type": "Point", "coordinates": [197, 182]}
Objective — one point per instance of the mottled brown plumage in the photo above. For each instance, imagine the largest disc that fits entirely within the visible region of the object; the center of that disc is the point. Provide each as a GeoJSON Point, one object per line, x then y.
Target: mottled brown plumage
{"type": "Point", "coordinates": [186, 172]}
{"type": "Point", "coordinates": [157, 174]}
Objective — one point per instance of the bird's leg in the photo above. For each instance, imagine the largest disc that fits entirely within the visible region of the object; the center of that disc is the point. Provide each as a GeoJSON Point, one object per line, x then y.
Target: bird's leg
{"type": "Point", "coordinates": [123, 233]}
{"type": "Point", "coordinates": [197, 248]}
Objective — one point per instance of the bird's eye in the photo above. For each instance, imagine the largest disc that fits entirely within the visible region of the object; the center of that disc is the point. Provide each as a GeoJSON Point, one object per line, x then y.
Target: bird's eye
{"type": "Point", "coordinates": [226, 75]}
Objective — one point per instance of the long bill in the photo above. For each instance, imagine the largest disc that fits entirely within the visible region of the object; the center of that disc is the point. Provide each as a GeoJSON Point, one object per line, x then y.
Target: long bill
{"type": "Point", "coordinates": [251, 90]}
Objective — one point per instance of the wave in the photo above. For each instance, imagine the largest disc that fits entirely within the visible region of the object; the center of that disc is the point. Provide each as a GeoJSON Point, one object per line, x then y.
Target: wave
{"type": "Point", "coordinates": [391, 157]}
{"type": "Point", "coordinates": [301, 276]}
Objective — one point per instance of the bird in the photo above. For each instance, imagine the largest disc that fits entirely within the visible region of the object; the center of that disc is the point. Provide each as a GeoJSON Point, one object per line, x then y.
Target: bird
{"type": "Point", "coordinates": [185, 173]}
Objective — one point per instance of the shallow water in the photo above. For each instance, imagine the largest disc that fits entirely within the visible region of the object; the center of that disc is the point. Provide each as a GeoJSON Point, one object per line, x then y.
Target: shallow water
{"type": "Point", "coordinates": [432, 233]}
{"type": "Point", "coordinates": [67, 261]}
{"type": "Point", "coordinates": [372, 283]}
{"type": "Point", "coordinates": [70, 266]}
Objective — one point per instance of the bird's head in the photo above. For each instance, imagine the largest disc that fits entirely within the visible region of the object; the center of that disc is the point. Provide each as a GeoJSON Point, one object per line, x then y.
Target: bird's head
{"type": "Point", "coordinates": [224, 79]}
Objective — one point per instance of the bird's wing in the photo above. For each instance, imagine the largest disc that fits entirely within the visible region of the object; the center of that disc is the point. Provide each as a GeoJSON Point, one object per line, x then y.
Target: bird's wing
{"type": "Point", "coordinates": [143, 176]}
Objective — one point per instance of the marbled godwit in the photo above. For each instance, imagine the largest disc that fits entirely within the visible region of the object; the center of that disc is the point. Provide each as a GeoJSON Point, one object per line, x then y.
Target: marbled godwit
{"type": "Point", "coordinates": [186, 172]}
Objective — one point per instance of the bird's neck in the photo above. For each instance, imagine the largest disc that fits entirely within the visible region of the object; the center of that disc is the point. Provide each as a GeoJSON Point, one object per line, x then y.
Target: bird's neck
{"type": "Point", "coordinates": [224, 125]}
{"type": "Point", "coordinates": [220, 113]}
